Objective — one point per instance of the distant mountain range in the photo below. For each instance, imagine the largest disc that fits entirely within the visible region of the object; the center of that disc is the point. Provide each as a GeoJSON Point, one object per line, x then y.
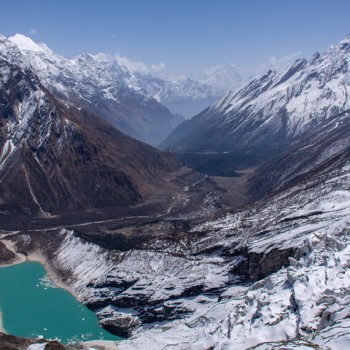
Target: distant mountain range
{"type": "Point", "coordinates": [110, 73]}
{"type": "Point", "coordinates": [112, 84]}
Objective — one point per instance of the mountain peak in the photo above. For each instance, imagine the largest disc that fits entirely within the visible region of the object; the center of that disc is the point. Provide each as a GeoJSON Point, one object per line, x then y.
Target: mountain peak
{"type": "Point", "coordinates": [345, 43]}
{"type": "Point", "coordinates": [25, 43]}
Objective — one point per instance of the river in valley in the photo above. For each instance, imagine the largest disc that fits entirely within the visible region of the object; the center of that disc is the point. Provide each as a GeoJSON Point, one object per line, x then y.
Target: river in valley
{"type": "Point", "coordinates": [32, 306]}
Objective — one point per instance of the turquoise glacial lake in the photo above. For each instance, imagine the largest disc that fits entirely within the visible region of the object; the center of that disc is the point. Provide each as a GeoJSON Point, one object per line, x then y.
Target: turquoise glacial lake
{"type": "Point", "coordinates": [32, 306]}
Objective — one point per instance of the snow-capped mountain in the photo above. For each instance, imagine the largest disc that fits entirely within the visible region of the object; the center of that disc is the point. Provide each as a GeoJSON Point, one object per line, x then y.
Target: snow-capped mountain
{"type": "Point", "coordinates": [188, 97]}
{"type": "Point", "coordinates": [224, 78]}
{"type": "Point", "coordinates": [55, 157]}
{"type": "Point", "coordinates": [109, 73]}
{"type": "Point", "coordinates": [91, 83]}
{"type": "Point", "coordinates": [273, 108]}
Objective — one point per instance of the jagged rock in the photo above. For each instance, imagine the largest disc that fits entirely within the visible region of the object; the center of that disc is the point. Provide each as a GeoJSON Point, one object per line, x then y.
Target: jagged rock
{"type": "Point", "coordinates": [119, 323]}
{"type": "Point", "coordinates": [256, 266]}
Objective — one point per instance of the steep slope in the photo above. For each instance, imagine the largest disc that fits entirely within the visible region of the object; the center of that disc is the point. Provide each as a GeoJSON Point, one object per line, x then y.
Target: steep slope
{"type": "Point", "coordinates": [273, 109]}
{"type": "Point", "coordinates": [318, 150]}
{"type": "Point", "coordinates": [94, 85]}
{"type": "Point", "coordinates": [54, 157]}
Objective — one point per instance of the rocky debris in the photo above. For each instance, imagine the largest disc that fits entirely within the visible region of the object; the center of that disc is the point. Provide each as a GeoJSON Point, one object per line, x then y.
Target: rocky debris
{"type": "Point", "coordinates": [255, 266]}
{"type": "Point", "coordinates": [10, 342]}
{"type": "Point", "coordinates": [6, 256]}
{"type": "Point", "coordinates": [118, 322]}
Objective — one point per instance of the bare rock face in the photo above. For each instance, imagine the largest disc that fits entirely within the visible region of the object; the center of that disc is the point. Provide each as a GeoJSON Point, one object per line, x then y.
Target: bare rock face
{"type": "Point", "coordinates": [6, 256]}
{"type": "Point", "coordinates": [55, 157]}
{"type": "Point", "coordinates": [119, 323]}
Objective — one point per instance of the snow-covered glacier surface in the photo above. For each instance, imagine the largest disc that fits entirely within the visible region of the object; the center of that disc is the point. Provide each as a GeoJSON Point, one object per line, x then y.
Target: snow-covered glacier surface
{"type": "Point", "coordinates": [302, 306]}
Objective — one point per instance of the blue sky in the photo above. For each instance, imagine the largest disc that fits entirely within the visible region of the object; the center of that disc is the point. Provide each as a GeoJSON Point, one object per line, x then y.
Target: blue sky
{"type": "Point", "coordinates": [187, 35]}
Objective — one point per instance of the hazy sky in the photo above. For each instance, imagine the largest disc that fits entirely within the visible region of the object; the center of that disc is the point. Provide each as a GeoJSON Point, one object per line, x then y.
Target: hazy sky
{"type": "Point", "coordinates": [188, 36]}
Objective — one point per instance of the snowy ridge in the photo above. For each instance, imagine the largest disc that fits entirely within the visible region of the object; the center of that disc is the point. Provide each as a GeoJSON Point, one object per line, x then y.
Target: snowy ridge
{"type": "Point", "coordinates": [106, 88]}
{"type": "Point", "coordinates": [72, 256]}
{"type": "Point", "coordinates": [273, 108]}
{"type": "Point", "coordinates": [91, 263]}
{"type": "Point", "coordinates": [161, 88]}
{"type": "Point", "coordinates": [92, 75]}
{"type": "Point", "coordinates": [309, 91]}
{"type": "Point", "coordinates": [20, 123]}
{"type": "Point", "coordinates": [104, 70]}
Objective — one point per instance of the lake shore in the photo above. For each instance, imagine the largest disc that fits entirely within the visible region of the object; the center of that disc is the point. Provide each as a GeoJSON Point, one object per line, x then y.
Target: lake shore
{"type": "Point", "coordinates": [101, 344]}
{"type": "Point", "coordinates": [1, 325]}
{"type": "Point", "coordinates": [20, 258]}
{"type": "Point", "coordinates": [56, 280]}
